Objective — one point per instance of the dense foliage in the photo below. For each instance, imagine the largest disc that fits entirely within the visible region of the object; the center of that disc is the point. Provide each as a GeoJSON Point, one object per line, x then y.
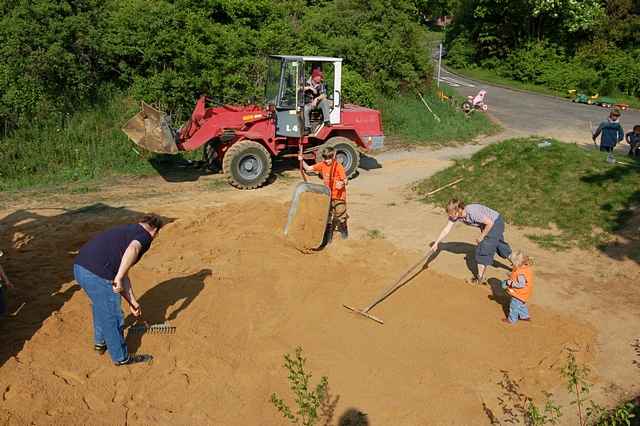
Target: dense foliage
{"type": "Point", "coordinates": [60, 56]}
{"type": "Point", "coordinates": [590, 45]}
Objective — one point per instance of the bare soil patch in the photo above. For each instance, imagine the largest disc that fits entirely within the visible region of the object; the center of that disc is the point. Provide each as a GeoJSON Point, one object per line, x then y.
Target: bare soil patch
{"type": "Point", "coordinates": [240, 297]}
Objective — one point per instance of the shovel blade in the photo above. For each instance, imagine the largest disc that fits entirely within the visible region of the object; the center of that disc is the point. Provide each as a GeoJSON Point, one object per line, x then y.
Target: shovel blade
{"type": "Point", "coordinates": [150, 129]}
{"type": "Point", "coordinates": [301, 188]}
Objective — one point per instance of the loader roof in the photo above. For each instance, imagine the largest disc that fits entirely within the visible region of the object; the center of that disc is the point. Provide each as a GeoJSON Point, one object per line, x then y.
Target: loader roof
{"type": "Point", "coordinates": [308, 58]}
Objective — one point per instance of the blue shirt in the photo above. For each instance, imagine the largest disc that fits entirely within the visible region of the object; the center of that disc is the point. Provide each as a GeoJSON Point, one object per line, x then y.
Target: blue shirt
{"type": "Point", "coordinates": [102, 255]}
{"type": "Point", "coordinates": [612, 133]}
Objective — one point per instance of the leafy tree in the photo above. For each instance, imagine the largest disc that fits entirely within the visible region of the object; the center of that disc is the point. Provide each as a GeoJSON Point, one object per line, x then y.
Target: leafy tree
{"type": "Point", "coordinates": [61, 55]}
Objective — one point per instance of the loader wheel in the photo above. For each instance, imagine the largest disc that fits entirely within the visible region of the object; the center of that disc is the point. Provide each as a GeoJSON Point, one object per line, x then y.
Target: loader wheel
{"type": "Point", "coordinates": [247, 164]}
{"type": "Point", "coordinates": [346, 152]}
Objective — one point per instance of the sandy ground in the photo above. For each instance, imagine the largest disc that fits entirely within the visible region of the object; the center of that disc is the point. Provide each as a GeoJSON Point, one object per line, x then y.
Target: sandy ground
{"type": "Point", "coordinates": [241, 296]}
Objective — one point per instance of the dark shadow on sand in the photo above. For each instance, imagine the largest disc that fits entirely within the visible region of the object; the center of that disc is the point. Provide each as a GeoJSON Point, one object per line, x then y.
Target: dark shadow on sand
{"type": "Point", "coordinates": [156, 302]}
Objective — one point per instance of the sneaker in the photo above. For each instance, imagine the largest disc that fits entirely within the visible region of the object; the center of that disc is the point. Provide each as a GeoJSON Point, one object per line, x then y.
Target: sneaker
{"type": "Point", "coordinates": [506, 321]}
{"type": "Point", "coordinates": [526, 319]}
{"type": "Point", "coordinates": [475, 281]}
{"type": "Point", "coordinates": [327, 124]}
{"type": "Point", "coordinates": [100, 349]}
{"type": "Point", "coordinates": [135, 359]}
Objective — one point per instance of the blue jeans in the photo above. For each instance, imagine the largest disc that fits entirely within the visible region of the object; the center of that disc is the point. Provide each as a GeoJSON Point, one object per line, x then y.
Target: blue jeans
{"type": "Point", "coordinates": [108, 322]}
{"type": "Point", "coordinates": [517, 310]}
{"type": "Point", "coordinates": [493, 243]}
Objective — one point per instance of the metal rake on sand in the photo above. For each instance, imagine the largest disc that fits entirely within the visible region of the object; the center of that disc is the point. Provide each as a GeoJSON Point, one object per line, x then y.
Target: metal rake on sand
{"type": "Point", "coordinates": [399, 283]}
{"type": "Point", "coordinates": [145, 327]}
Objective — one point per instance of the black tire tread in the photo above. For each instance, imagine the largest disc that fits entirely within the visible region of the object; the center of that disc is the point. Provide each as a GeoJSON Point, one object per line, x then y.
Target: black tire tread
{"type": "Point", "coordinates": [336, 140]}
{"type": "Point", "coordinates": [236, 149]}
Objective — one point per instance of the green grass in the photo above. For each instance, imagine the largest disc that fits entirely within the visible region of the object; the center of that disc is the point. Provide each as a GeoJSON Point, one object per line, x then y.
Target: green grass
{"type": "Point", "coordinates": [85, 146]}
{"type": "Point", "coordinates": [490, 76]}
{"type": "Point", "coordinates": [375, 234]}
{"type": "Point", "coordinates": [585, 198]}
{"type": "Point", "coordinates": [408, 120]}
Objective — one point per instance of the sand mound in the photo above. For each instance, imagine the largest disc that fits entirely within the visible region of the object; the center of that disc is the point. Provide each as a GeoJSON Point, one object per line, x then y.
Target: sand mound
{"type": "Point", "coordinates": [241, 296]}
{"type": "Point", "coordinates": [310, 222]}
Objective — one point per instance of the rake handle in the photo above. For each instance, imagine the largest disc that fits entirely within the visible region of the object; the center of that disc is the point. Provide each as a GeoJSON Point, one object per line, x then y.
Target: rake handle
{"type": "Point", "coordinates": [399, 283]}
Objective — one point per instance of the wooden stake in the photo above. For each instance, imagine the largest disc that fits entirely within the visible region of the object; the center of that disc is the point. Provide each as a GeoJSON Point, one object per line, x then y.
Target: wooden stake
{"type": "Point", "coordinates": [444, 187]}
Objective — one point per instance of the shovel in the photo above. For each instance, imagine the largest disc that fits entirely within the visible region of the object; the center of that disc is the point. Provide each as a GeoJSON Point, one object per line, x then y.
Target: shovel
{"type": "Point", "coordinates": [399, 283]}
{"type": "Point", "coordinates": [303, 187]}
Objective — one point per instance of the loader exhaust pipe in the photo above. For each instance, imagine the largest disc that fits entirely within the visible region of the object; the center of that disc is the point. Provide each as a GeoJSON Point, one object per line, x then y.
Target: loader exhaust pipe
{"type": "Point", "coordinates": [150, 129]}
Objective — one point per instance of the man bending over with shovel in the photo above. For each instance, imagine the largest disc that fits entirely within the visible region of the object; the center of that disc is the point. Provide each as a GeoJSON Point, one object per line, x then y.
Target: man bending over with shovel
{"type": "Point", "coordinates": [332, 173]}
{"type": "Point", "coordinates": [491, 239]}
{"type": "Point", "coordinates": [102, 270]}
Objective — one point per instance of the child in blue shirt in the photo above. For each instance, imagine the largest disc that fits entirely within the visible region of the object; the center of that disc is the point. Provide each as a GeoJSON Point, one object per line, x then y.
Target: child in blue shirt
{"type": "Point", "coordinates": [610, 131]}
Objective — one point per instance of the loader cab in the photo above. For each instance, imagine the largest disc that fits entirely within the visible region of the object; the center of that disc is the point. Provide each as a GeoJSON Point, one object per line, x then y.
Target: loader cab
{"type": "Point", "coordinates": [286, 78]}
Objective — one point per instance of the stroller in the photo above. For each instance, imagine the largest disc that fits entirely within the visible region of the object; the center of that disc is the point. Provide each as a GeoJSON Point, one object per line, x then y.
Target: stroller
{"type": "Point", "coordinates": [474, 103]}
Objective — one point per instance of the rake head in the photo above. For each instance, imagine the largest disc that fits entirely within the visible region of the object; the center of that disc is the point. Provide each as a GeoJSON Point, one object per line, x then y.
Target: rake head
{"type": "Point", "coordinates": [164, 328]}
{"type": "Point", "coordinates": [364, 314]}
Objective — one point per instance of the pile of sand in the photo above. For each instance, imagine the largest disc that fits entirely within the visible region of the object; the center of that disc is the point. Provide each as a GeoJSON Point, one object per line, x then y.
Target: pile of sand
{"type": "Point", "coordinates": [240, 297]}
{"type": "Point", "coordinates": [309, 224]}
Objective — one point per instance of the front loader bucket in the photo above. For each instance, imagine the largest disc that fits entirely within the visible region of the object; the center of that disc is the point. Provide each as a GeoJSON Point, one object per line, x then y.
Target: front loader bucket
{"type": "Point", "coordinates": [150, 130]}
{"type": "Point", "coordinates": [298, 221]}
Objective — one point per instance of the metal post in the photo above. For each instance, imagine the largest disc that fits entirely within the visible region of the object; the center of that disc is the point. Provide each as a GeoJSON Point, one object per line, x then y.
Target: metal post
{"type": "Point", "coordinates": [439, 63]}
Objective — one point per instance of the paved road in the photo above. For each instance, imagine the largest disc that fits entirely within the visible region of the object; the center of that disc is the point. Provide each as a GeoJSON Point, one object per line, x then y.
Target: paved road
{"type": "Point", "coordinates": [530, 113]}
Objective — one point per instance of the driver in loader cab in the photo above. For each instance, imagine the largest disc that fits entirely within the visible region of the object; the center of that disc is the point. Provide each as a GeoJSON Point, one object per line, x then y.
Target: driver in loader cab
{"type": "Point", "coordinates": [332, 173]}
{"type": "Point", "coordinates": [317, 92]}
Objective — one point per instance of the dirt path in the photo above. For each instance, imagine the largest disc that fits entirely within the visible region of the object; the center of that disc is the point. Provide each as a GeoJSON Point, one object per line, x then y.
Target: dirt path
{"type": "Point", "coordinates": [241, 297]}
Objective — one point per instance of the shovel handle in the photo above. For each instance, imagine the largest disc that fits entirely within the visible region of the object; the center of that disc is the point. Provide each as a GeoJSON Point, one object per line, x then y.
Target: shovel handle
{"type": "Point", "coordinates": [304, 176]}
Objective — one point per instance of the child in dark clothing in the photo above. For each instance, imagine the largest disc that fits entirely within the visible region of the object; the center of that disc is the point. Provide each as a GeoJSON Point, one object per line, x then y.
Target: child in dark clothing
{"type": "Point", "coordinates": [633, 139]}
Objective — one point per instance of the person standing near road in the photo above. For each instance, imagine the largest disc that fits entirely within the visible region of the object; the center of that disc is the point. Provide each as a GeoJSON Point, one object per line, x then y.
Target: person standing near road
{"type": "Point", "coordinates": [335, 178]}
{"type": "Point", "coordinates": [102, 270]}
{"type": "Point", "coordinates": [491, 239]}
{"type": "Point", "coordinates": [610, 132]}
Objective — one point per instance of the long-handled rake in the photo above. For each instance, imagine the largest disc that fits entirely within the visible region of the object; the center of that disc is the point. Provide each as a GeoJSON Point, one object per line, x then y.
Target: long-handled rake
{"type": "Point", "coordinates": [399, 283]}
{"type": "Point", "coordinates": [163, 328]}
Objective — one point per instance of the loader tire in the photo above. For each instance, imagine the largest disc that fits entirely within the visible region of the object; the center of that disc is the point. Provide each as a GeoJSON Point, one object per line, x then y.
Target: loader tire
{"type": "Point", "coordinates": [247, 165]}
{"type": "Point", "coordinates": [346, 152]}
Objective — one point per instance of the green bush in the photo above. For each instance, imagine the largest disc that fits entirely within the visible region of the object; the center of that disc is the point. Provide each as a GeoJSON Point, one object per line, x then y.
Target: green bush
{"type": "Point", "coordinates": [357, 90]}
{"type": "Point", "coordinates": [530, 62]}
{"type": "Point", "coordinates": [588, 45]}
{"type": "Point", "coordinates": [49, 57]}
{"type": "Point", "coordinates": [461, 53]}
{"type": "Point", "coordinates": [56, 55]}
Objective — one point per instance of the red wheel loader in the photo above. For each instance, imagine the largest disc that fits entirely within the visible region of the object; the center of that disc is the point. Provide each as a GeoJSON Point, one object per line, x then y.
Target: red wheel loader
{"type": "Point", "coordinates": [242, 140]}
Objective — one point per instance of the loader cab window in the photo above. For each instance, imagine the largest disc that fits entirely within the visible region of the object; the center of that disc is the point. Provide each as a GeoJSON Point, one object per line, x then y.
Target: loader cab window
{"type": "Point", "coordinates": [274, 68]}
{"type": "Point", "coordinates": [290, 86]}
{"type": "Point", "coordinates": [327, 70]}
